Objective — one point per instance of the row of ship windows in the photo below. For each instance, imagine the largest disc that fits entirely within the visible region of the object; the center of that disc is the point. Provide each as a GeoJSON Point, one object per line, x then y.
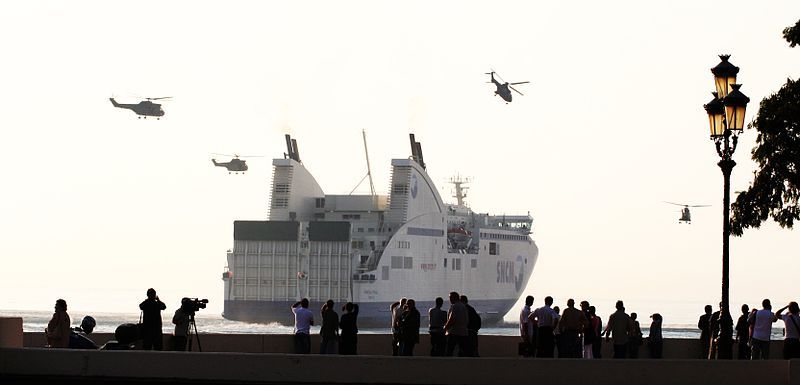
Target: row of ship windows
{"type": "Point", "coordinates": [239, 282]}
{"type": "Point", "coordinates": [504, 236]}
{"type": "Point", "coordinates": [408, 263]}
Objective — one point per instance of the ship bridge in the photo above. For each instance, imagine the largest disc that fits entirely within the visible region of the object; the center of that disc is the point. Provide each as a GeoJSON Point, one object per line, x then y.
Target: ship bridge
{"type": "Point", "coordinates": [521, 223]}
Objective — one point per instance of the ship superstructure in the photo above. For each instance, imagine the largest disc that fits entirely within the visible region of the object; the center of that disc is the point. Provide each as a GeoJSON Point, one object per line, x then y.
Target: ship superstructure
{"type": "Point", "coordinates": [373, 249]}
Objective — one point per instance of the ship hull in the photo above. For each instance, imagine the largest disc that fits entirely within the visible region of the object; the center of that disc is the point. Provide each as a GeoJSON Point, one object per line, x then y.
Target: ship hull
{"type": "Point", "coordinates": [371, 314]}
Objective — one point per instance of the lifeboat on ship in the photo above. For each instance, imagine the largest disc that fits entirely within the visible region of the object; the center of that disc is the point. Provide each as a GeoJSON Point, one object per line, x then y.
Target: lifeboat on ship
{"type": "Point", "coordinates": [459, 237]}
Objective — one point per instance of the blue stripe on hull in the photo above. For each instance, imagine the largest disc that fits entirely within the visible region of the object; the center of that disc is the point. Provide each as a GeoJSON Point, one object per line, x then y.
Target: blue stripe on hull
{"type": "Point", "coordinates": [371, 314]}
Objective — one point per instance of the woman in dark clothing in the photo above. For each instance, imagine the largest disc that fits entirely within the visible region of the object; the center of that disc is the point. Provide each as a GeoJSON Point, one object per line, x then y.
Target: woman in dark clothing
{"type": "Point", "coordinates": [409, 328]}
{"type": "Point", "coordinates": [348, 324]}
{"type": "Point", "coordinates": [655, 339]}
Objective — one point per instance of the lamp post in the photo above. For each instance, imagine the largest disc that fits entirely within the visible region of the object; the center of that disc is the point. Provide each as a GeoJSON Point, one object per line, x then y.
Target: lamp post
{"type": "Point", "coordinates": [726, 120]}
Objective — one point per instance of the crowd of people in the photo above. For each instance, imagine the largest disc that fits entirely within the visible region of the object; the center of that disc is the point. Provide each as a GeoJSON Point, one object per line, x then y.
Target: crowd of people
{"type": "Point", "coordinates": [332, 342]}
{"type": "Point", "coordinates": [451, 332]}
{"type": "Point", "coordinates": [60, 334]}
{"type": "Point", "coordinates": [572, 333]}
{"type": "Point", "coordinates": [579, 333]}
{"type": "Point", "coordinates": [753, 332]}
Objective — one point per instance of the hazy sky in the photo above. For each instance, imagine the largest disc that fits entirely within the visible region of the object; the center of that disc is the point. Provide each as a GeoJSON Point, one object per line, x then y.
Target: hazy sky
{"type": "Point", "coordinates": [97, 206]}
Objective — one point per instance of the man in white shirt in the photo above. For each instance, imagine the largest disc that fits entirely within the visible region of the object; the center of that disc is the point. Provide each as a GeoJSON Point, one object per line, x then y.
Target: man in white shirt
{"type": "Point", "coordinates": [526, 327]}
{"type": "Point", "coordinates": [762, 330]}
{"type": "Point", "coordinates": [303, 319]}
{"type": "Point", "coordinates": [397, 309]}
{"type": "Point", "coordinates": [545, 318]}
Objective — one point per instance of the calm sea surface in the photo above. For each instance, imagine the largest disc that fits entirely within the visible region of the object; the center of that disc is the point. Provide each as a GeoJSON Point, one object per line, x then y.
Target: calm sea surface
{"type": "Point", "coordinates": [34, 321]}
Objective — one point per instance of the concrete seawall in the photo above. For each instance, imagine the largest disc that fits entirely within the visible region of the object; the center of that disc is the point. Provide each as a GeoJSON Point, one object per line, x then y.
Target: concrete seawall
{"type": "Point", "coordinates": [29, 366]}
{"type": "Point", "coordinates": [258, 358]}
{"type": "Point", "coordinates": [380, 345]}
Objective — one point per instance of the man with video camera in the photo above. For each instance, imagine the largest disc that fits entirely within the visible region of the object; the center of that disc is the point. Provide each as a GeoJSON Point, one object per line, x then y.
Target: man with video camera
{"type": "Point", "coordinates": [184, 319]}
{"type": "Point", "coordinates": [181, 321]}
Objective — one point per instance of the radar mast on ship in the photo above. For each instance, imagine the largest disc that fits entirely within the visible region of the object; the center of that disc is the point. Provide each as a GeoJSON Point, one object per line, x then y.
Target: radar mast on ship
{"type": "Point", "coordinates": [460, 190]}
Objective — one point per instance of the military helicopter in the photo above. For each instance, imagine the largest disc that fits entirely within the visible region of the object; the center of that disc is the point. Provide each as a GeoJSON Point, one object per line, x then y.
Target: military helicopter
{"type": "Point", "coordinates": [144, 108]}
{"type": "Point", "coordinates": [686, 215]}
{"type": "Point", "coordinates": [503, 88]}
{"type": "Point", "coordinates": [235, 165]}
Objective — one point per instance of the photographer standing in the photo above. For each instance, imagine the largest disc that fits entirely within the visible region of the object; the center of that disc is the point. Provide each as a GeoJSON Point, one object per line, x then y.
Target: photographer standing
{"type": "Point", "coordinates": [181, 321]}
{"type": "Point", "coordinates": [152, 338]}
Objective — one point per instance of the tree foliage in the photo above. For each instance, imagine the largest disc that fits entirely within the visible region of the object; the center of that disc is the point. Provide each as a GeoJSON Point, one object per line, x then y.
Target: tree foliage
{"type": "Point", "coordinates": [792, 34]}
{"type": "Point", "coordinates": [775, 189]}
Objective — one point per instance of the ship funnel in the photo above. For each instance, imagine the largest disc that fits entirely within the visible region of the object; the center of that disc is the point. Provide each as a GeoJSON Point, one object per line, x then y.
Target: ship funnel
{"type": "Point", "coordinates": [296, 151]}
{"type": "Point", "coordinates": [416, 151]}
{"type": "Point", "coordinates": [291, 147]}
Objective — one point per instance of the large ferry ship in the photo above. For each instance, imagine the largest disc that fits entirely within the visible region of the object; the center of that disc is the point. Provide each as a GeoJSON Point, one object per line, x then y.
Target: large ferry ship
{"type": "Point", "coordinates": [373, 249]}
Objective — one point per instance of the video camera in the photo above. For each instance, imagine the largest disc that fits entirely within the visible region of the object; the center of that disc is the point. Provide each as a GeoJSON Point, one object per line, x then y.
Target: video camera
{"type": "Point", "coordinates": [192, 305]}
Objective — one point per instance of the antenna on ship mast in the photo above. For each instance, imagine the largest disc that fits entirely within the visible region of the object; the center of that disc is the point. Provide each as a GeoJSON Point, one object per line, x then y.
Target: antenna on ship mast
{"type": "Point", "coordinates": [460, 191]}
{"type": "Point", "coordinates": [369, 170]}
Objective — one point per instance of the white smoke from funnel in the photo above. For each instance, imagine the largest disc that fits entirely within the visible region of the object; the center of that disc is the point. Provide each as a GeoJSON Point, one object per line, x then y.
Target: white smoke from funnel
{"type": "Point", "coordinates": [417, 113]}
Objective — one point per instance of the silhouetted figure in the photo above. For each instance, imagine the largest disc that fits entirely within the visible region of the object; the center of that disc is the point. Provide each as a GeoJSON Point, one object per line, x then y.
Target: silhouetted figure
{"type": "Point", "coordinates": [181, 321]}
{"type": "Point", "coordinates": [79, 336]}
{"type": "Point", "coordinates": [571, 326]}
{"type": "Point", "coordinates": [762, 330]}
{"type": "Point", "coordinates": [473, 325]}
{"type": "Point", "coordinates": [636, 337]}
{"type": "Point", "coordinates": [557, 333]}
{"type": "Point", "coordinates": [397, 309]}
{"type": "Point", "coordinates": [705, 331]}
{"type": "Point", "coordinates": [597, 324]}
{"type": "Point", "coordinates": [152, 337]}
{"type": "Point", "coordinates": [545, 319]}
{"type": "Point", "coordinates": [456, 326]}
{"type": "Point", "coordinates": [721, 330]}
{"type": "Point", "coordinates": [329, 332]}
{"type": "Point", "coordinates": [303, 319]}
{"type": "Point", "coordinates": [620, 327]}
{"type": "Point", "coordinates": [125, 336]}
{"type": "Point", "coordinates": [58, 329]}
{"type": "Point", "coordinates": [655, 341]}
{"type": "Point", "coordinates": [409, 328]}
{"type": "Point", "coordinates": [436, 320]}
{"type": "Point", "coordinates": [743, 334]}
{"type": "Point", "coordinates": [526, 329]}
{"type": "Point", "coordinates": [349, 325]}
{"type": "Point", "coordinates": [588, 331]}
{"type": "Point", "coordinates": [791, 344]}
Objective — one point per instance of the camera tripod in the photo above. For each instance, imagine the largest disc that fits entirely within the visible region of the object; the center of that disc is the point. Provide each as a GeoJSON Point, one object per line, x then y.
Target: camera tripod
{"type": "Point", "coordinates": [193, 325]}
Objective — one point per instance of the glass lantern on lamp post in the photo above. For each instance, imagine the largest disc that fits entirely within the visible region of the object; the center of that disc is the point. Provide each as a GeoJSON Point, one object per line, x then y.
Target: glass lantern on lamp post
{"type": "Point", "coordinates": [726, 120]}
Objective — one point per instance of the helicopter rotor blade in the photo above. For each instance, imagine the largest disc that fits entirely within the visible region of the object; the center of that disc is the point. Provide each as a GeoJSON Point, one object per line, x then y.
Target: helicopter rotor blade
{"type": "Point", "coordinates": [515, 90]}
{"type": "Point", "coordinates": [676, 204]}
{"type": "Point", "coordinates": [700, 206]}
{"type": "Point", "coordinates": [237, 155]}
{"type": "Point", "coordinates": [518, 83]}
{"type": "Point", "coordinates": [163, 97]}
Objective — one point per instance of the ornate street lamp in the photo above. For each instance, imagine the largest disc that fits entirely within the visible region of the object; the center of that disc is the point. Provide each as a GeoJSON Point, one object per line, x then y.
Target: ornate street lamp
{"type": "Point", "coordinates": [726, 119]}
